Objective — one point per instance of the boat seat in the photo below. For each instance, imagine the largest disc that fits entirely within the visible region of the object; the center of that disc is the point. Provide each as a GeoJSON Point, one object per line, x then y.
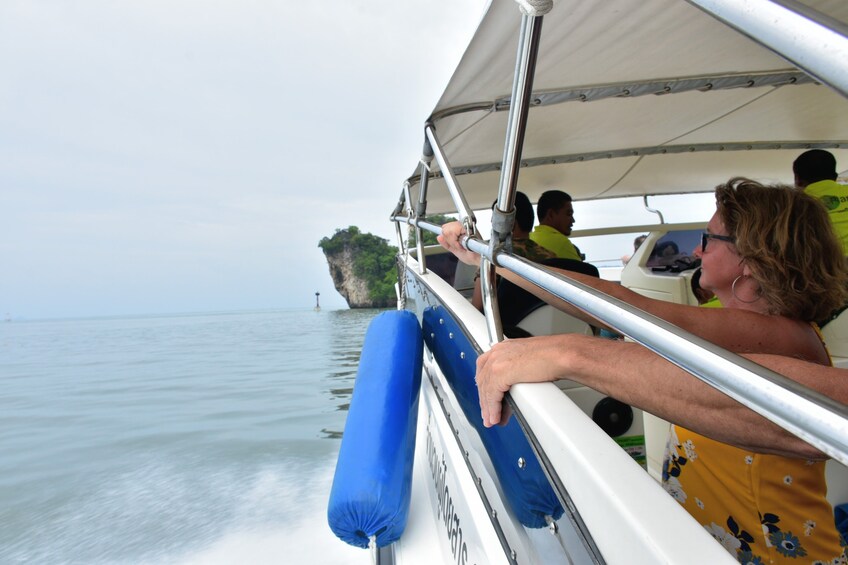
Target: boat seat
{"type": "Point", "coordinates": [520, 308]}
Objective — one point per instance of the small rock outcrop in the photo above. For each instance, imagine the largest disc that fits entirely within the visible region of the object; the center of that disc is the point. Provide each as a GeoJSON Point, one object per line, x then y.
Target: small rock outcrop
{"type": "Point", "coordinates": [363, 268]}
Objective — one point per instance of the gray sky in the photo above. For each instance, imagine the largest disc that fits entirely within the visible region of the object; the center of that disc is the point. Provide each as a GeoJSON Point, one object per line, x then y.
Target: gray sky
{"type": "Point", "coordinates": [178, 156]}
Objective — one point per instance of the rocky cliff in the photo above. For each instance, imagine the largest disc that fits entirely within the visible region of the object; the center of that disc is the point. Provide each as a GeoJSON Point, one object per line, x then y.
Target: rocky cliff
{"type": "Point", "coordinates": [362, 267]}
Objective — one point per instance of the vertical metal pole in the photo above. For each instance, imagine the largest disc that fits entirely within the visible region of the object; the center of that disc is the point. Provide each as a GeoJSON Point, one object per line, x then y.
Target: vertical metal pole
{"type": "Point", "coordinates": [421, 209]}
{"type": "Point", "coordinates": [403, 247]}
{"type": "Point", "coordinates": [399, 207]}
{"type": "Point", "coordinates": [503, 217]}
{"type": "Point", "coordinates": [400, 238]}
{"type": "Point", "coordinates": [407, 198]}
{"type": "Point", "coordinates": [490, 303]}
{"type": "Point", "coordinates": [519, 106]}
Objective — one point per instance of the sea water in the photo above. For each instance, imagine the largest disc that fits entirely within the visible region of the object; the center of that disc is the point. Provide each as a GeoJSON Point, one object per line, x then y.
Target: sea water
{"type": "Point", "coordinates": [182, 439]}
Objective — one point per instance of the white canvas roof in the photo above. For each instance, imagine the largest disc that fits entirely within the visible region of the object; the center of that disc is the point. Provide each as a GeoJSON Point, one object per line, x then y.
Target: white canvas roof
{"type": "Point", "coordinates": [634, 97]}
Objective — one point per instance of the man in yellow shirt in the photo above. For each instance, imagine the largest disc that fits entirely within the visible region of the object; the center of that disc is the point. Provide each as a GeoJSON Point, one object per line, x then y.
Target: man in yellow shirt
{"type": "Point", "coordinates": [556, 216]}
{"type": "Point", "coordinates": [815, 172]}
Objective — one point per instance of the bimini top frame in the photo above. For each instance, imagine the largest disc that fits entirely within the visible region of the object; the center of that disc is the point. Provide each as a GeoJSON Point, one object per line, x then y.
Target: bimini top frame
{"type": "Point", "coordinates": [651, 97]}
{"type": "Point", "coordinates": [811, 416]}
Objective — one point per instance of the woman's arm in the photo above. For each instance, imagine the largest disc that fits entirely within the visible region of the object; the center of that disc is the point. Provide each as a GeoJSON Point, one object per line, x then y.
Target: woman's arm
{"type": "Point", "coordinates": [740, 331]}
{"type": "Point", "coordinates": [635, 375]}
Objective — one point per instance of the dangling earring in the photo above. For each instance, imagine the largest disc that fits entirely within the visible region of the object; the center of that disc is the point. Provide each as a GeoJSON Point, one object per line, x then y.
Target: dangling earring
{"type": "Point", "coordinates": [733, 292]}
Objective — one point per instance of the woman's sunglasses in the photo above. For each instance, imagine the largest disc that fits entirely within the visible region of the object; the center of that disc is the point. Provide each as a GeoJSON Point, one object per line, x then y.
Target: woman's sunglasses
{"type": "Point", "coordinates": [705, 237]}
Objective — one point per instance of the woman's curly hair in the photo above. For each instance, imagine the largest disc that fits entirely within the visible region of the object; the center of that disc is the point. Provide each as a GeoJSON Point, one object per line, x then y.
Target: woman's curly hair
{"type": "Point", "coordinates": [786, 239]}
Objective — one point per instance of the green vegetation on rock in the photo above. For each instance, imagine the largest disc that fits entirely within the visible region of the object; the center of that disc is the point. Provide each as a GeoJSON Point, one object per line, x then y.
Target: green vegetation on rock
{"type": "Point", "coordinates": [374, 260]}
{"type": "Point", "coordinates": [429, 238]}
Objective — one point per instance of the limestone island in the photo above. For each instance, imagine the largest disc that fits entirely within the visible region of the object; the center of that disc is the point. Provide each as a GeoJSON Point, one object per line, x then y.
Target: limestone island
{"type": "Point", "coordinates": [363, 267]}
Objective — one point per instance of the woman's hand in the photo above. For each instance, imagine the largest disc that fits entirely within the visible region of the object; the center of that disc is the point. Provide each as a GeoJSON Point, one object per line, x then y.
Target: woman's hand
{"type": "Point", "coordinates": [528, 360]}
{"type": "Point", "coordinates": [449, 239]}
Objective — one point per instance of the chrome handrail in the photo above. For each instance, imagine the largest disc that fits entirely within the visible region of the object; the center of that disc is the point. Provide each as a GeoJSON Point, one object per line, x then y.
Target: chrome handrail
{"type": "Point", "coordinates": [815, 418]}
{"type": "Point", "coordinates": [808, 39]}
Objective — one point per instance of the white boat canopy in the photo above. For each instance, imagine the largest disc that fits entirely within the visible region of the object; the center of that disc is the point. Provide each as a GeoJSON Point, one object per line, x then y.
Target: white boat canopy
{"type": "Point", "coordinates": [632, 98]}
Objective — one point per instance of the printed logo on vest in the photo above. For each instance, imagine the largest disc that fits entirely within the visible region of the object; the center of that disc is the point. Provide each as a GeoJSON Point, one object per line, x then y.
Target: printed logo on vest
{"type": "Point", "coordinates": [830, 202]}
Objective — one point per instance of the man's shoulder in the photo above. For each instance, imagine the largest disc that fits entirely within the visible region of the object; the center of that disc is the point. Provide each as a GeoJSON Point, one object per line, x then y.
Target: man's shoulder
{"type": "Point", "coordinates": [828, 186]}
{"type": "Point", "coordinates": [555, 241]}
{"type": "Point", "coordinates": [546, 231]}
{"type": "Point", "coordinates": [531, 250]}
{"type": "Point", "coordinates": [833, 195]}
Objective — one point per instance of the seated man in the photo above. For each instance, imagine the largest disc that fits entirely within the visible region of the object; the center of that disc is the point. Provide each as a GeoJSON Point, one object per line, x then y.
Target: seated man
{"type": "Point", "coordinates": [815, 172]}
{"type": "Point", "coordinates": [521, 242]}
{"type": "Point", "coordinates": [556, 216]}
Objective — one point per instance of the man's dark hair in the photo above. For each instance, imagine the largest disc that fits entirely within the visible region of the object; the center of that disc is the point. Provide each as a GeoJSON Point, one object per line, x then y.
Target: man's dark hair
{"type": "Point", "coordinates": [523, 212]}
{"type": "Point", "coordinates": [551, 200]}
{"type": "Point", "coordinates": [815, 165]}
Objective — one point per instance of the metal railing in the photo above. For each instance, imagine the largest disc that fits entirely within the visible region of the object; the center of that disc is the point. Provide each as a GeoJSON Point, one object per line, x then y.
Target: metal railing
{"type": "Point", "coordinates": [813, 417]}
{"type": "Point", "coordinates": [817, 419]}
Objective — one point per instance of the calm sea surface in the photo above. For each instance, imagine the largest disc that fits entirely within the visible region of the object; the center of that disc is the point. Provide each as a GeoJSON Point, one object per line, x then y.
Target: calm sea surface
{"type": "Point", "coordinates": [203, 438]}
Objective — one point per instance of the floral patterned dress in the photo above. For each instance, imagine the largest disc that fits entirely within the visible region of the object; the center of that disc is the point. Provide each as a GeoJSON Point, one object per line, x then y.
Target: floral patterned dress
{"type": "Point", "coordinates": [762, 508]}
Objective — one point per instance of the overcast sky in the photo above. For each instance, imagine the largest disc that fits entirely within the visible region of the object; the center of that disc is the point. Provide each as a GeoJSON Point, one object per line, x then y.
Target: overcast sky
{"type": "Point", "coordinates": [180, 156]}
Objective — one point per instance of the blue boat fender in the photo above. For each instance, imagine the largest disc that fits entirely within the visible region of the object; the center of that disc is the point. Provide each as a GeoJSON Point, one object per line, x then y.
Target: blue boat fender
{"type": "Point", "coordinates": [527, 489]}
{"type": "Point", "coordinates": [372, 483]}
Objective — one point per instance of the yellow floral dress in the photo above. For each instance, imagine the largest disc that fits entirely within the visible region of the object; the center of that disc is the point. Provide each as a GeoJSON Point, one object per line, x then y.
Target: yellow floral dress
{"type": "Point", "coordinates": [761, 508]}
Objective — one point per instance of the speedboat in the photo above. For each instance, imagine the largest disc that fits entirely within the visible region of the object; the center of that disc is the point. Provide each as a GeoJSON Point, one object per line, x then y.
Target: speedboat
{"type": "Point", "coordinates": [605, 100]}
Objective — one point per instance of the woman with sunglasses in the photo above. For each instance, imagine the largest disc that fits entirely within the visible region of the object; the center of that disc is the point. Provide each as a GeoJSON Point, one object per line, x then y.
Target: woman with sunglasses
{"type": "Point", "coordinates": [770, 255]}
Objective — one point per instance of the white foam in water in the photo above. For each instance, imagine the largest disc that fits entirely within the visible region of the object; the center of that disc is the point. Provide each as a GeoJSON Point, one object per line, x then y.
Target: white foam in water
{"type": "Point", "coordinates": [305, 536]}
{"type": "Point", "coordinates": [304, 543]}
{"type": "Point", "coordinates": [166, 514]}
{"type": "Point", "coordinates": [176, 440]}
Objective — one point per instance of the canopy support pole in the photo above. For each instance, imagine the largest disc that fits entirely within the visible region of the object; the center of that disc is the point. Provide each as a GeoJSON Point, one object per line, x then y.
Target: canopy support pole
{"type": "Point", "coordinates": [466, 215]}
{"type": "Point", "coordinates": [421, 208]}
{"type": "Point", "coordinates": [503, 215]}
{"type": "Point", "coordinates": [522, 87]}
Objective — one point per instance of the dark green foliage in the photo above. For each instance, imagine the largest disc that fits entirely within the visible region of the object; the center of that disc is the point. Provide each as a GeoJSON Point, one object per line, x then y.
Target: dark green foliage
{"type": "Point", "coordinates": [429, 238]}
{"type": "Point", "coordinates": [374, 260]}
